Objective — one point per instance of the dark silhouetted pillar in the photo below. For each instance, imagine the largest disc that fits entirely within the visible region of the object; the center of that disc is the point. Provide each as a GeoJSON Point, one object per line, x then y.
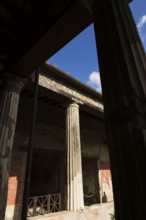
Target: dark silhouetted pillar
{"type": "Point", "coordinates": [8, 115]}
{"type": "Point", "coordinates": [123, 74]}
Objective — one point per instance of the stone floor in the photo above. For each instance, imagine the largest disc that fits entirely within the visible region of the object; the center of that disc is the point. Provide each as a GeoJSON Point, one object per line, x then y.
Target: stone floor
{"type": "Point", "coordinates": [98, 211]}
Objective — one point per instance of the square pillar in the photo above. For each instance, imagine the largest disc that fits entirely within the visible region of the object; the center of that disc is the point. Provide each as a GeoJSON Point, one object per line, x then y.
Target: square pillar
{"type": "Point", "coordinates": [123, 76]}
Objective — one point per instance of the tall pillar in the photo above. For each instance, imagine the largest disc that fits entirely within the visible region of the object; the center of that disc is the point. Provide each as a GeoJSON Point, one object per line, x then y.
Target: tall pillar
{"type": "Point", "coordinates": [8, 115]}
{"type": "Point", "coordinates": [74, 166]}
{"type": "Point", "coordinates": [123, 75]}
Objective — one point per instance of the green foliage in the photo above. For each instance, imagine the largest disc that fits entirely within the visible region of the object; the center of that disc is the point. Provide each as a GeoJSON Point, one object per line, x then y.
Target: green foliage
{"type": "Point", "coordinates": [112, 216]}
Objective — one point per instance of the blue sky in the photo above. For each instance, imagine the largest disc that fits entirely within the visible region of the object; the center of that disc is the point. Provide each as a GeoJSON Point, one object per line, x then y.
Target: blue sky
{"type": "Point", "coordinates": [79, 57]}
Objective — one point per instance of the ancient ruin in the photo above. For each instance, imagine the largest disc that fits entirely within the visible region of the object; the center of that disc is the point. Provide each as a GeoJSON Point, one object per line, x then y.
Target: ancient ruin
{"type": "Point", "coordinates": [31, 32]}
{"type": "Point", "coordinates": [70, 161]}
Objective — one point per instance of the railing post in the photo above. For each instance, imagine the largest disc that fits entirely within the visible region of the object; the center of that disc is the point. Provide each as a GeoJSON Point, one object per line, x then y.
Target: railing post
{"type": "Point", "coordinates": [59, 201]}
{"type": "Point", "coordinates": [48, 206]}
{"type": "Point", "coordinates": [34, 206]}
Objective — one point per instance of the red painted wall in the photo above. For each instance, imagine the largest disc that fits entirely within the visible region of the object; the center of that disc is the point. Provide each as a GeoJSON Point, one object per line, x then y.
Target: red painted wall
{"type": "Point", "coordinates": [106, 181]}
{"type": "Point", "coordinates": [15, 179]}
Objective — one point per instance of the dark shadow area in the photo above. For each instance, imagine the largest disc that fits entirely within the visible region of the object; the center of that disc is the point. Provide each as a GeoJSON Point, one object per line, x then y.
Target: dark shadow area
{"type": "Point", "coordinates": [47, 181]}
{"type": "Point", "coordinates": [90, 181]}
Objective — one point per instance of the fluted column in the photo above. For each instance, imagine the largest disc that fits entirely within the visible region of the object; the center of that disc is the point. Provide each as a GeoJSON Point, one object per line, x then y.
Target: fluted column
{"type": "Point", "coordinates": [8, 115]}
{"type": "Point", "coordinates": [123, 75]}
{"type": "Point", "coordinates": [74, 166]}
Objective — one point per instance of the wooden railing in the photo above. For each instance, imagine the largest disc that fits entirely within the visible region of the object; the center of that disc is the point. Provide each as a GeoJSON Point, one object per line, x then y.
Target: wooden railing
{"type": "Point", "coordinates": [40, 205]}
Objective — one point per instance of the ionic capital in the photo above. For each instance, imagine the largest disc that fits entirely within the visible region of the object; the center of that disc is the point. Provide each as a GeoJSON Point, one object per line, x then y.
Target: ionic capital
{"type": "Point", "coordinates": [72, 103]}
{"type": "Point", "coordinates": [10, 79]}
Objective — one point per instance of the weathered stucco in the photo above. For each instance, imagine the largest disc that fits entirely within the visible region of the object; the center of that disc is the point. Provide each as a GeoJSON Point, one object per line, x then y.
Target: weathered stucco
{"type": "Point", "coordinates": [66, 90]}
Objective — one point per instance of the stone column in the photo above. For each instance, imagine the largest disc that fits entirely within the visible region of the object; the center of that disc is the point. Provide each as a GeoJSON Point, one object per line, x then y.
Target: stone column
{"type": "Point", "coordinates": [74, 165]}
{"type": "Point", "coordinates": [123, 75]}
{"type": "Point", "coordinates": [8, 115]}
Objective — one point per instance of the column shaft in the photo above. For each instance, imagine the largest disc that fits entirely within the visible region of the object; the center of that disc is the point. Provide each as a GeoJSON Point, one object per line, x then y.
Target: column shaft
{"type": "Point", "coordinates": [8, 117]}
{"type": "Point", "coordinates": [123, 76]}
{"type": "Point", "coordinates": [74, 166]}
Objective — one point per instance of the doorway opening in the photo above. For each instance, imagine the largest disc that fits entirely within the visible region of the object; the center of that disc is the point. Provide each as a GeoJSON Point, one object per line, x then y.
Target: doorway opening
{"type": "Point", "coordinates": [47, 187]}
{"type": "Point", "coordinates": [90, 181]}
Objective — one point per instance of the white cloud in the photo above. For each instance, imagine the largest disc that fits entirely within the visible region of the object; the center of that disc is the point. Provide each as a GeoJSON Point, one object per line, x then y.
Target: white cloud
{"type": "Point", "coordinates": [140, 25]}
{"type": "Point", "coordinates": [94, 81]}
{"type": "Point", "coordinates": [142, 21]}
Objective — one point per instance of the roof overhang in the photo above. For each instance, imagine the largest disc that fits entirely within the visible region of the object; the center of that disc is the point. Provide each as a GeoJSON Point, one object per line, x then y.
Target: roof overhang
{"type": "Point", "coordinates": [30, 33]}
